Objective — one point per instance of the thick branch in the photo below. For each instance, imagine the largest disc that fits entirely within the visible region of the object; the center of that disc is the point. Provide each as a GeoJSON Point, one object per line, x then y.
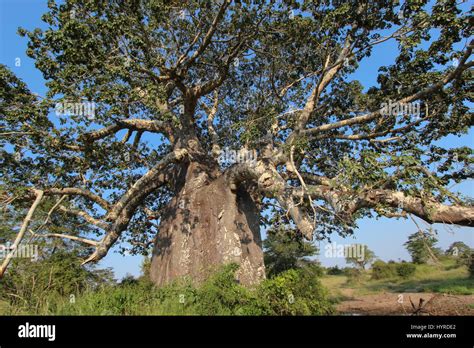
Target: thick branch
{"type": "Point", "coordinates": [80, 192]}
{"type": "Point", "coordinates": [211, 114]}
{"type": "Point", "coordinates": [425, 92]}
{"type": "Point", "coordinates": [427, 208]}
{"type": "Point", "coordinates": [326, 77]}
{"type": "Point", "coordinates": [75, 238]}
{"type": "Point", "coordinates": [144, 181]}
{"type": "Point", "coordinates": [133, 124]}
{"type": "Point", "coordinates": [19, 237]}
{"type": "Point", "coordinates": [271, 184]}
{"type": "Point", "coordinates": [85, 216]}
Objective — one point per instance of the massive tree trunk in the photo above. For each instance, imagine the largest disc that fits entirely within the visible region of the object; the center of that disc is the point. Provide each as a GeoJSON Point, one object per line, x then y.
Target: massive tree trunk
{"type": "Point", "coordinates": [207, 225]}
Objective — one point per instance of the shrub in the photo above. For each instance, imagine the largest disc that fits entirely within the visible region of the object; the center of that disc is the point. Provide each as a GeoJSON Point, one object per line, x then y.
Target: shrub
{"type": "Point", "coordinates": [294, 292]}
{"type": "Point", "coordinates": [382, 270]}
{"type": "Point", "coordinates": [222, 295]}
{"type": "Point", "coordinates": [334, 271]}
{"type": "Point", "coordinates": [128, 280]}
{"type": "Point", "coordinates": [391, 269]}
{"type": "Point", "coordinates": [405, 269]}
{"type": "Point", "coordinates": [354, 275]}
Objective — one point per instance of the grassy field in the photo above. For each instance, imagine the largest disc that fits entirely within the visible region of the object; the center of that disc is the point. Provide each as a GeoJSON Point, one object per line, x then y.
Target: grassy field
{"type": "Point", "coordinates": [443, 289]}
{"type": "Point", "coordinates": [444, 278]}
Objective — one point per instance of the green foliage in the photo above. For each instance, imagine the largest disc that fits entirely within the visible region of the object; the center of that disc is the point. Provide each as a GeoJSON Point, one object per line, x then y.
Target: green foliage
{"type": "Point", "coordinates": [461, 252]}
{"type": "Point", "coordinates": [405, 269]}
{"type": "Point", "coordinates": [285, 249]}
{"type": "Point", "coordinates": [362, 260]}
{"type": "Point", "coordinates": [222, 295]}
{"type": "Point", "coordinates": [421, 246]}
{"type": "Point", "coordinates": [110, 300]}
{"type": "Point", "coordinates": [142, 60]}
{"type": "Point", "coordinates": [128, 280]}
{"type": "Point", "coordinates": [382, 270]}
{"type": "Point", "coordinates": [294, 292]}
{"type": "Point", "coordinates": [451, 289]}
{"type": "Point", "coordinates": [458, 248]}
{"type": "Point", "coordinates": [354, 275]}
{"type": "Point", "coordinates": [145, 268]}
{"type": "Point", "coordinates": [30, 285]}
{"type": "Point", "coordinates": [334, 271]}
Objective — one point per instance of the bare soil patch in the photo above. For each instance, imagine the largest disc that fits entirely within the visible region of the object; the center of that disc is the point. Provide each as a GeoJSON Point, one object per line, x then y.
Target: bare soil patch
{"type": "Point", "coordinates": [407, 304]}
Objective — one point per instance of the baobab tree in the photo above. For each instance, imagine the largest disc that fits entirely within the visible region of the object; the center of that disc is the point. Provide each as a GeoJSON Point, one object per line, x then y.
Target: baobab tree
{"type": "Point", "coordinates": [189, 126]}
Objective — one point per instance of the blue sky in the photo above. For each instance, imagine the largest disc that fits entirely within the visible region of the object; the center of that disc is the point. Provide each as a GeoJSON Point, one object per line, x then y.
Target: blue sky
{"type": "Point", "coordinates": [384, 236]}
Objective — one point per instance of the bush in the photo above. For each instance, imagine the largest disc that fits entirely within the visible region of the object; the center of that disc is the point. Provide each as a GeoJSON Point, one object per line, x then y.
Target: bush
{"type": "Point", "coordinates": [405, 269]}
{"type": "Point", "coordinates": [382, 270]}
{"type": "Point", "coordinates": [222, 295]}
{"type": "Point", "coordinates": [391, 269]}
{"type": "Point", "coordinates": [128, 280]}
{"type": "Point", "coordinates": [335, 271]}
{"type": "Point", "coordinates": [354, 276]}
{"type": "Point", "coordinates": [294, 292]}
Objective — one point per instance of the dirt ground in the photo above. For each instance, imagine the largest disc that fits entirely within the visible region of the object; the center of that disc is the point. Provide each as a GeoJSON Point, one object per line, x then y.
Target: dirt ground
{"type": "Point", "coordinates": [406, 304]}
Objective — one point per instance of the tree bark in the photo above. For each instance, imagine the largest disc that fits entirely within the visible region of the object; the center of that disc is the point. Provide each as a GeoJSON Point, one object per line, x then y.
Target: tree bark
{"type": "Point", "coordinates": [206, 225]}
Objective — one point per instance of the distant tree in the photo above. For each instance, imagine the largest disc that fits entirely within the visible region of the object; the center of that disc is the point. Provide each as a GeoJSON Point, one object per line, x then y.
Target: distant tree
{"type": "Point", "coordinates": [461, 252]}
{"type": "Point", "coordinates": [284, 250]}
{"type": "Point", "coordinates": [458, 248]}
{"type": "Point", "coordinates": [145, 268]}
{"type": "Point", "coordinates": [421, 247]}
{"type": "Point", "coordinates": [128, 279]}
{"type": "Point", "coordinates": [360, 259]}
{"type": "Point", "coordinates": [334, 270]}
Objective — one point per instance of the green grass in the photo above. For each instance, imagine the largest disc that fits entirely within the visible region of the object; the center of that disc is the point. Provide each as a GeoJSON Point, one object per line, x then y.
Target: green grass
{"type": "Point", "coordinates": [293, 292]}
{"type": "Point", "coordinates": [444, 278]}
{"type": "Point", "coordinates": [334, 283]}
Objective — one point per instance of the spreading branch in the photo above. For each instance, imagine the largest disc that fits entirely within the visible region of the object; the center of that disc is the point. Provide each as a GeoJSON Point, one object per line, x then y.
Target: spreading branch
{"type": "Point", "coordinates": [21, 233]}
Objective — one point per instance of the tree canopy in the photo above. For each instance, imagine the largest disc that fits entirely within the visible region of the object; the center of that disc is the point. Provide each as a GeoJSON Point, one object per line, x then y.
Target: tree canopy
{"type": "Point", "coordinates": [422, 246]}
